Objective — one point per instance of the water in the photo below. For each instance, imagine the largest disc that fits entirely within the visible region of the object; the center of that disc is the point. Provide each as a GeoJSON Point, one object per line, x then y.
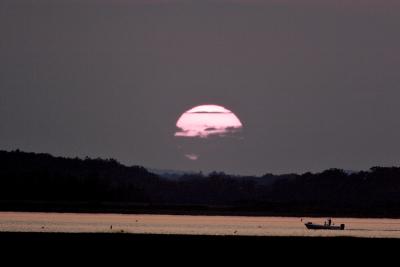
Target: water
{"type": "Point", "coordinates": [182, 224]}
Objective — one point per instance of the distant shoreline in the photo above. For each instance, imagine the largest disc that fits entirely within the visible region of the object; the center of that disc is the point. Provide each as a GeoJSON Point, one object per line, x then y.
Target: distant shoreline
{"type": "Point", "coordinates": [41, 182]}
{"type": "Point", "coordinates": [135, 208]}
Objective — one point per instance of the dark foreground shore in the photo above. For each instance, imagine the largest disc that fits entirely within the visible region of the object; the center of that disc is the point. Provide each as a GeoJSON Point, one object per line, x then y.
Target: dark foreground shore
{"type": "Point", "coordinates": [70, 248]}
{"type": "Point", "coordinates": [128, 237]}
{"type": "Point", "coordinates": [165, 241]}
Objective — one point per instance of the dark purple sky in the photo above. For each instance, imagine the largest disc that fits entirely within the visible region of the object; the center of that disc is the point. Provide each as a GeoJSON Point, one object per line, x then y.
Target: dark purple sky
{"type": "Point", "coordinates": [315, 83]}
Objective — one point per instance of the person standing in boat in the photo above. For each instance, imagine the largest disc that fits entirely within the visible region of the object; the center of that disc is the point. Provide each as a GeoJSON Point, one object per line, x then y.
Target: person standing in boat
{"type": "Point", "coordinates": [329, 221]}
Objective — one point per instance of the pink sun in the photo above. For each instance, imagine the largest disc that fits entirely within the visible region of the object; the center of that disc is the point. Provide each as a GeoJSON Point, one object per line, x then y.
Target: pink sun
{"type": "Point", "coordinates": [207, 120]}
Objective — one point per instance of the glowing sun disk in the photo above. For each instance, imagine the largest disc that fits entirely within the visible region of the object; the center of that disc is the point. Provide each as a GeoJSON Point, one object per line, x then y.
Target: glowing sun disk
{"type": "Point", "coordinates": [206, 120]}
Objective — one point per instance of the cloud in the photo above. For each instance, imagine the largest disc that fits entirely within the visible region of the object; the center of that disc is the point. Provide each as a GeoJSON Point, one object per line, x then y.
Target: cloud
{"type": "Point", "coordinates": [192, 156]}
{"type": "Point", "coordinates": [210, 129]}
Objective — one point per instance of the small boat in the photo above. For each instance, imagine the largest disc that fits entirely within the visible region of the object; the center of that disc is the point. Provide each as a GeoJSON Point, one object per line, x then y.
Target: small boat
{"type": "Point", "coordinates": [326, 226]}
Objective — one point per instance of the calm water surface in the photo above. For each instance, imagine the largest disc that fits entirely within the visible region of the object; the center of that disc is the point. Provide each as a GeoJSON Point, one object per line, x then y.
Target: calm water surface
{"type": "Point", "coordinates": [182, 224]}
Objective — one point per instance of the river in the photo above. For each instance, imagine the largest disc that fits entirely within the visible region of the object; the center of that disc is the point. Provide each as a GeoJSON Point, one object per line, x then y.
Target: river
{"type": "Point", "coordinates": [196, 225]}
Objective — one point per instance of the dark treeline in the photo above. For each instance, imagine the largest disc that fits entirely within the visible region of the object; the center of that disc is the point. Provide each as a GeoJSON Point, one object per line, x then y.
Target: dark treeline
{"type": "Point", "coordinates": [27, 178]}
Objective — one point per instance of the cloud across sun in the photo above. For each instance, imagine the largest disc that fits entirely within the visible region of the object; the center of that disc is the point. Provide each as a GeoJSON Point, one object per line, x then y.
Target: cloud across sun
{"type": "Point", "coordinates": [207, 120]}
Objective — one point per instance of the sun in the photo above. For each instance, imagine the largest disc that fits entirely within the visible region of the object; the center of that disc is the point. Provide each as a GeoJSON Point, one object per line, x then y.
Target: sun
{"type": "Point", "coordinates": [207, 120]}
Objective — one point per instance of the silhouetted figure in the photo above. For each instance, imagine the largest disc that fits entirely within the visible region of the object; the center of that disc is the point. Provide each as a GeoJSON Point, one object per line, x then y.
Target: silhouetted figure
{"type": "Point", "coordinates": [328, 222]}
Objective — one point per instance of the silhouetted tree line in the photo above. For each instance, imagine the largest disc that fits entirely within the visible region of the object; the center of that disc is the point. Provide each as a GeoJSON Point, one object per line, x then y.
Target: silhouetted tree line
{"type": "Point", "coordinates": [42, 177]}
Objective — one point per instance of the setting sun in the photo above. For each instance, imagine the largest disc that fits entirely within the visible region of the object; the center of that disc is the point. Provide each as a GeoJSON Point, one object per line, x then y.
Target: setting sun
{"type": "Point", "coordinates": [207, 120]}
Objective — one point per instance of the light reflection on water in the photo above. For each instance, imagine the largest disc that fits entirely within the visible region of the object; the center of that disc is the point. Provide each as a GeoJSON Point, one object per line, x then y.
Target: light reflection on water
{"type": "Point", "coordinates": [178, 224]}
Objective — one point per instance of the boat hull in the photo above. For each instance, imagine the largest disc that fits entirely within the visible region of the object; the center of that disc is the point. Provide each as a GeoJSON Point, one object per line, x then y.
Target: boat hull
{"type": "Point", "coordinates": [313, 226]}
